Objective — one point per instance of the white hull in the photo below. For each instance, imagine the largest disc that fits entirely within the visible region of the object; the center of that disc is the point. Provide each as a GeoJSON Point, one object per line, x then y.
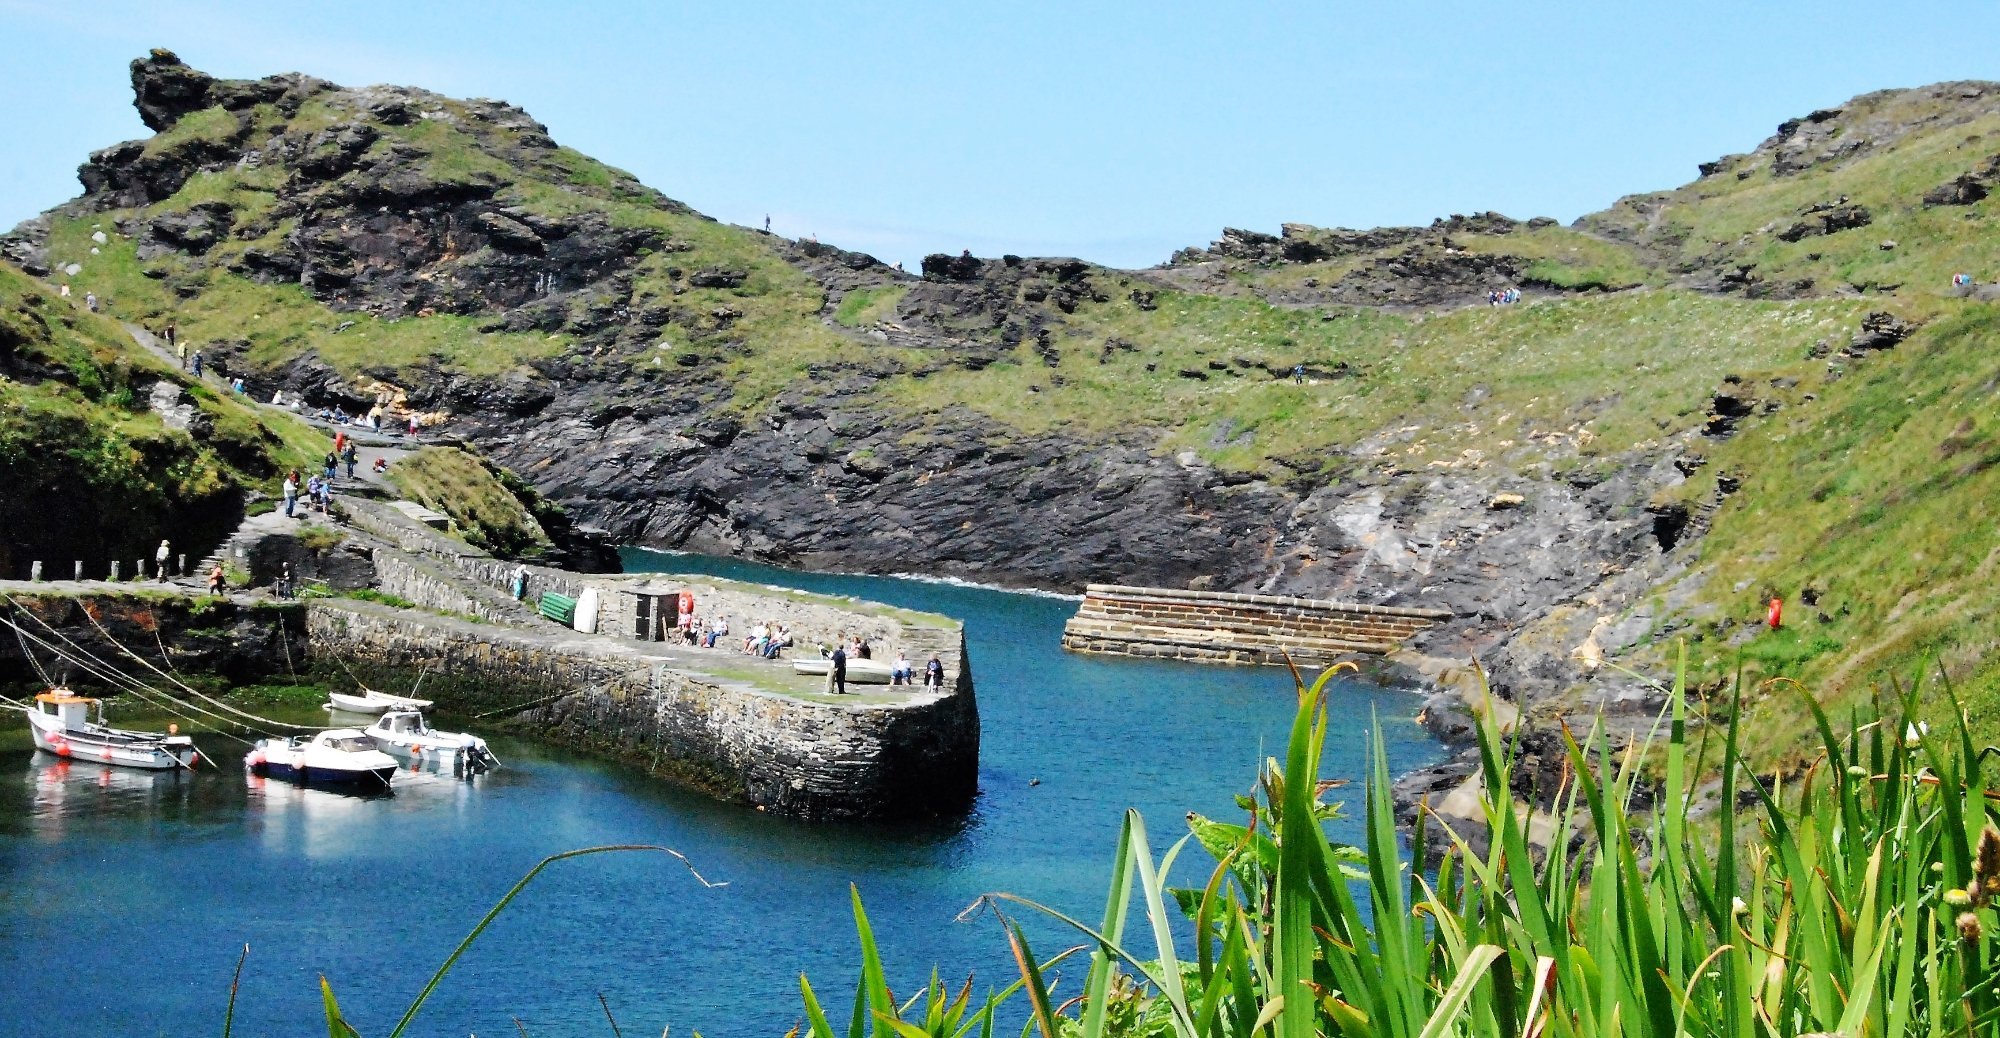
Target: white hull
{"type": "Point", "coordinates": [859, 672]}
{"type": "Point", "coordinates": [404, 733]}
{"type": "Point", "coordinates": [331, 758]}
{"type": "Point", "coordinates": [104, 745]}
{"type": "Point", "coordinates": [373, 702]}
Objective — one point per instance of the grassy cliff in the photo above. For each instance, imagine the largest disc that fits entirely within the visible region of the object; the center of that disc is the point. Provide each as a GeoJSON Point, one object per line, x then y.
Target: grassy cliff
{"type": "Point", "coordinates": [95, 470]}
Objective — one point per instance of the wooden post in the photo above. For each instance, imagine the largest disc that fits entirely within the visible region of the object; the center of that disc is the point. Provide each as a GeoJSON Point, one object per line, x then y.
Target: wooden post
{"type": "Point", "coordinates": [180, 565]}
{"type": "Point", "coordinates": [35, 571]}
{"type": "Point", "coordinates": [79, 569]}
{"type": "Point", "coordinates": [114, 569]}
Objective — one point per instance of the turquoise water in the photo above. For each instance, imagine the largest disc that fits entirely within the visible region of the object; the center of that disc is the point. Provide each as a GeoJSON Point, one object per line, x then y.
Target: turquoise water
{"type": "Point", "coordinates": [128, 897]}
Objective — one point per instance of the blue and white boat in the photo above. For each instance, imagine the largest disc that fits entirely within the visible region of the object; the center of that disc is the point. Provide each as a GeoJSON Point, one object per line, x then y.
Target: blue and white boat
{"type": "Point", "coordinates": [342, 757]}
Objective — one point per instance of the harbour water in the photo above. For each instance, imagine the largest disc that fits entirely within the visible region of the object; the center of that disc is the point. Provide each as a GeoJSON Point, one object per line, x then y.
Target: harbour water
{"type": "Point", "coordinates": [126, 898]}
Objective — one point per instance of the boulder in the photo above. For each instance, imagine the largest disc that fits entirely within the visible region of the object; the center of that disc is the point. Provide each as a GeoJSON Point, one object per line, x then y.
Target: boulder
{"type": "Point", "coordinates": [717, 277]}
{"type": "Point", "coordinates": [195, 229]}
{"type": "Point", "coordinates": [1964, 189]}
{"type": "Point", "coordinates": [1880, 330]}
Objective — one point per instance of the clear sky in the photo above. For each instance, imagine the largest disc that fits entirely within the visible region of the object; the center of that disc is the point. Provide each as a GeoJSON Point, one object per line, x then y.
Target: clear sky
{"type": "Point", "coordinates": [1113, 131]}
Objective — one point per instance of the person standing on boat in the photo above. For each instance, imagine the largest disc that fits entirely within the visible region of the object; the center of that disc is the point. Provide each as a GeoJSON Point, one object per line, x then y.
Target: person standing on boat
{"type": "Point", "coordinates": [934, 674]}
{"type": "Point", "coordinates": [160, 559]}
{"type": "Point", "coordinates": [836, 673]}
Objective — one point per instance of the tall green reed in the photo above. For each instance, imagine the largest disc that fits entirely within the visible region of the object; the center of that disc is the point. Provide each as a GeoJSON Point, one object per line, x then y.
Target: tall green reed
{"type": "Point", "coordinates": [1857, 895]}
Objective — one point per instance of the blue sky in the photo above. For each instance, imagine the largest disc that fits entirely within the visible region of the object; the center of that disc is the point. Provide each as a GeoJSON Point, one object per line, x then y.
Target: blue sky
{"type": "Point", "coordinates": [1112, 131]}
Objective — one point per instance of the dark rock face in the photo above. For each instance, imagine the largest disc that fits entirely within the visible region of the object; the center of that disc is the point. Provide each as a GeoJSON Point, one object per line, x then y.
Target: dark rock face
{"type": "Point", "coordinates": [1966, 188]}
{"type": "Point", "coordinates": [1827, 220]}
{"type": "Point", "coordinates": [164, 89]}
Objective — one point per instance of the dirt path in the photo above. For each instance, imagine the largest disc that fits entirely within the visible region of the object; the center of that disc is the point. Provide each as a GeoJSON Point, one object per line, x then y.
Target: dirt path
{"type": "Point", "coordinates": [392, 446]}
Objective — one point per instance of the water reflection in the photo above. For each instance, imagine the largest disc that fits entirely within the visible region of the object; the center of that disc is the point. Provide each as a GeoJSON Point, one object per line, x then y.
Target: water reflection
{"type": "Point", "coordinates": [217, 858]}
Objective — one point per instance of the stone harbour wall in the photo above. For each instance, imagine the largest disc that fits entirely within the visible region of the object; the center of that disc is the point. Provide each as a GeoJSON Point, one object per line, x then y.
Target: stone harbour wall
{"type": "Point", "coordinates": [1224, 627]}
{"type": "Point", "coordinates": [799, 757]}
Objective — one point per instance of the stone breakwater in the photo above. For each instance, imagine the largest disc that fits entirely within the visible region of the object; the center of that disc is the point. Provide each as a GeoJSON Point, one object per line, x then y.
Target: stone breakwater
{"type": "Point", "coordinates": [816, 758]}
{"type": "Point", "coordinates": [1225, 627]}
{"type": "Point", "coordinates": [735, 727]}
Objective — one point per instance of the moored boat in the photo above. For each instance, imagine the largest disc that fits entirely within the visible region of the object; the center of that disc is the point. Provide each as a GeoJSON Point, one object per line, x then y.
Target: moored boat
{"type": "Point", "coordinates": [344, 757]}
{"type": "Point", "coordinates": [859, 672]}
{"type": "Point", "coordinates": [370, 701]}
{"type": "Point", "coordinates": [61, 724]}
{"type": "Point", "coordinates": [405, 732]}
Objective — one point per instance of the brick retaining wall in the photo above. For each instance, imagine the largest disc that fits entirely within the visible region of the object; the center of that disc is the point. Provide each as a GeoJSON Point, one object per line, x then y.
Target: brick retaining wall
{"type": "Point", "coordinates": [1226, 627]}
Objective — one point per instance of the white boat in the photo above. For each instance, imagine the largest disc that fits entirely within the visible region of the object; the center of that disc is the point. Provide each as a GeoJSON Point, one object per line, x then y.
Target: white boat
{"type": "Point", "coordinates": [61, 724]}
{"type": "Point", "coordinates": [343, 757]}
{"type": "Point", "coordinates": [859, 672]}
{"type": "Point", "coordinates": [373, 702]}
{"type": "Point", "coordinates": [405, 732]}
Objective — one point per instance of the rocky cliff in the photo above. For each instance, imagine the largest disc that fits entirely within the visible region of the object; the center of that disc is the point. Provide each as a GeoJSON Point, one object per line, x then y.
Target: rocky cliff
{"type": "Point", "coordinates": [1049, 422]}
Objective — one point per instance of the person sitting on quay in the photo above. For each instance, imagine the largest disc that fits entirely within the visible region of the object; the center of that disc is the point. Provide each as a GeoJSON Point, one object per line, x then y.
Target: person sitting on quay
{"type": "Point", "coordinates": [899, 671]}
{"type": "Point", "coordinates": [862, 650]}
{"type": "Point", "coordinates": [934, 674]}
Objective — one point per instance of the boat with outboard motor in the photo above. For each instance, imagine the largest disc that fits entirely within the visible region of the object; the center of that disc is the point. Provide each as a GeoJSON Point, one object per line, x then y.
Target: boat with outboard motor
{"type": "Point", "coordinates": [406, 733]}
{"type": "Point", "coordinates": [60, 720]}
{"type": "Point", "coordinates": [344, 757]}
{"type": "Point", "coordinates": [373, 702]}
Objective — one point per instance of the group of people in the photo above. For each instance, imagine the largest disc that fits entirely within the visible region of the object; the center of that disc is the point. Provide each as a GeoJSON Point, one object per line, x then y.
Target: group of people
{"type": "Point", "coordinates": [1503, 297]}
{"type": "Point", "coordinates": [900, 670]}
{"type": "Point", "coordinates": [318, 492]}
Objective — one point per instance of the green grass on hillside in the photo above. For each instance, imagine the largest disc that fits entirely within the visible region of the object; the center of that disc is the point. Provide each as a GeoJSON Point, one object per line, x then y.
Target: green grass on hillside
{"type": "Point", "coordinates": [486, 513]}
{"type": "Point", "coordinates": [865, 306]}
{"type": "Point", "coordinates": [1584, 376]}
{"type": "Point", "coordinates": [1879, 497]}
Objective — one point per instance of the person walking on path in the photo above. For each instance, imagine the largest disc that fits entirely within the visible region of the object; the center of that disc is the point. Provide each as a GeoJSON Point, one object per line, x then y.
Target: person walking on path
{"type": "Point", "coordinates": [350, 456]}
{"type": "Point", "coordinates": [284, 585]}
{"type": "Point", "coordinates": [197, 363]}
{"type": "Point", "coordinates": [215, 579]}
{"type": "Point", "coordinates": [160, 560]}
{"type": "Point", "coordinates": [836, 672]}
{"type": "Point", "coordinates": [181, 351]}
{"type": "Point", "coordinates": [90, 301]}
{"type": "Point", "coordinates": [934, 674]}
{"type": "Point", "coordinates": [291, 492]}
{"type": "Point", "coordinates": [332, 462]}
{"type": "Point", "coordinates": [1298, 374]}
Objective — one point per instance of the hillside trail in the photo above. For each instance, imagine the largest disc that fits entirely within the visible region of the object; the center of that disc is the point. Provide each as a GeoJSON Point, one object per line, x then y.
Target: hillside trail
{"type": "Point", "coordinates": [390, 446]}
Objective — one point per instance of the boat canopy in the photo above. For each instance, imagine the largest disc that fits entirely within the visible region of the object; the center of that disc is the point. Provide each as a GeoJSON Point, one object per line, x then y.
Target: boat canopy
{"type": "Point", "coordinates": [60, 696]}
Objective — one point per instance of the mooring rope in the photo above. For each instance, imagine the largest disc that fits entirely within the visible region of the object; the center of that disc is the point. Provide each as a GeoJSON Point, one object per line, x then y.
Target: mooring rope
{"type": "Point", "coordinates": [120, 681]}
{"type": "Point", "coordinates": [107, 672]}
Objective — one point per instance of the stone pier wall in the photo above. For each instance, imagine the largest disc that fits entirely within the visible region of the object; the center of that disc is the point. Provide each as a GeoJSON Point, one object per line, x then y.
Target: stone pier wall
{"type": "Point", "coordinates": [1223, 627]}
{"type": "Point", "coordinates": [800, 757]}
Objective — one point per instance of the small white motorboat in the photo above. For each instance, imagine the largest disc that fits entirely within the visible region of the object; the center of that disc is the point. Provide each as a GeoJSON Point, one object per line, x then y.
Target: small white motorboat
{"type": "Point", "coordinates": [373, 702]}
{"type": "Point", "coordinates": [61, 724]}
{"type": "Point", "coordinates": [343, 757]}
{"type": "Point", "coordinates": [405, 732]}
{"type": "Point", "coordinates": [859, 672]}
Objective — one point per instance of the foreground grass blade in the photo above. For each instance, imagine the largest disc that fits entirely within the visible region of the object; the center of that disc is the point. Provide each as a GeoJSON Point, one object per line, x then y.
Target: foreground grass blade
{"type": "Point", "coordinates": [494, 913]}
